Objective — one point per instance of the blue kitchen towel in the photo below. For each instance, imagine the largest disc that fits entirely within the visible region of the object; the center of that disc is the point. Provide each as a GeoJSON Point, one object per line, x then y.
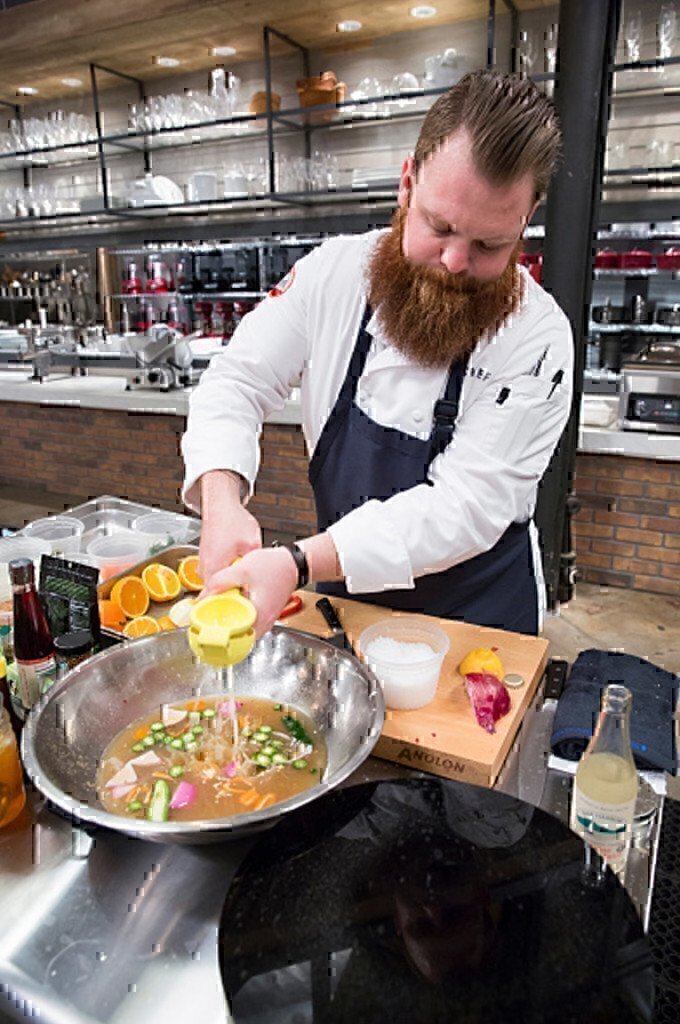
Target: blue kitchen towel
{"type": "Point", "coordinates": [652, 727]}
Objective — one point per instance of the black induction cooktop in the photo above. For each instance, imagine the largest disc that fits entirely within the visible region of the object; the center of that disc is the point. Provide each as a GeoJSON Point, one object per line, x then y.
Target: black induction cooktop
{"type": "Point", "coordinates": [429, 901]}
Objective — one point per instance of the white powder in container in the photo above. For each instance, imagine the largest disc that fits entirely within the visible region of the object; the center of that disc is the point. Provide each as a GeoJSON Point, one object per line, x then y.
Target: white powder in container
{"type": "Point", "coordinates": [408, 669]}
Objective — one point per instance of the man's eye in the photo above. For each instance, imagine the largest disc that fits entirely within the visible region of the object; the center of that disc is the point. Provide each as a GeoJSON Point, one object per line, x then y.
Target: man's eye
{"type": "Point", "coordinates": [485, 247]}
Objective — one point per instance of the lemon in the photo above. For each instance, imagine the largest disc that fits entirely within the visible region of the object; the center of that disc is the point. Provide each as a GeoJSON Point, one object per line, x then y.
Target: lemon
{"type": "Point", "coordinates": [482, 659]}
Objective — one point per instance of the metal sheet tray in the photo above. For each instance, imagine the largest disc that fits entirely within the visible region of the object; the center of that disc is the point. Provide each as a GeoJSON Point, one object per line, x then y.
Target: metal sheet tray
{"type": "Point", "coordinates": [172, 557]}
{"type": "Point", "coordinates": [106, 515]}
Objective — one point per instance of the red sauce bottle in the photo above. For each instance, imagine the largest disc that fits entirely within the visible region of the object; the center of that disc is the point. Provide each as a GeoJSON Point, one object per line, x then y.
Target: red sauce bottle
{"type": "Point", "coordinates": [33, 647]}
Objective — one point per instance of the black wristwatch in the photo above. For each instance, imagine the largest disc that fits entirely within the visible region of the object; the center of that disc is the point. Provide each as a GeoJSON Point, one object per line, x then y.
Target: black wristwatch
{"type": "Point", "coordinates": [300, 559]}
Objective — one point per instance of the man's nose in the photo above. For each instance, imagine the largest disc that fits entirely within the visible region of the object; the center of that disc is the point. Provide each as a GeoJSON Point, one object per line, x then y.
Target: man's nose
{"type": "Point", "coordinates": [455, 256]}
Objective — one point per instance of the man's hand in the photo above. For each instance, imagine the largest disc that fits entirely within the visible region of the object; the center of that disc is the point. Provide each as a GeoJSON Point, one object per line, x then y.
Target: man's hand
{"type": "Point", "coordinates": [267, 577]}
{"type": "Point", "coordinates": [229, 531]}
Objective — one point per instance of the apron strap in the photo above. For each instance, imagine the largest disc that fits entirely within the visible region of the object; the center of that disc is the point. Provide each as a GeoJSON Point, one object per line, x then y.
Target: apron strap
{"type": "Point", "coordinates": [446, 411]}
{"type": "Point", "coordinates": [357, 361]}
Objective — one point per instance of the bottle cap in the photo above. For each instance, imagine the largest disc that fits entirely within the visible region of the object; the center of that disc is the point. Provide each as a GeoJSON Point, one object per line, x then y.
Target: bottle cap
{"type": "Point", "coordinates": [21, 571]}
{"type": "Point", "coordinates": [79, 641]}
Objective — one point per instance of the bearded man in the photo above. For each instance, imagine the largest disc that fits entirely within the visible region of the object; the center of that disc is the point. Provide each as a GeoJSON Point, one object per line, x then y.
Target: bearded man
{"type": "Point", "coordinates": [435, 377]}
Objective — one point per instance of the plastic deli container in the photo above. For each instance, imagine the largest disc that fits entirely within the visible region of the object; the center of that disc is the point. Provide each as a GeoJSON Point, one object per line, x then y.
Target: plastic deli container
{"type": "Point", "coordinates": [161, 530]}
{"type": "Point", "coordinates": [18, 547]}
{"type": "Point", "coordinates": [62, 533]}
{"type": "Point", "coordinates": [406, 656]}
{"type": "Point", "coordinates": [116, 553]}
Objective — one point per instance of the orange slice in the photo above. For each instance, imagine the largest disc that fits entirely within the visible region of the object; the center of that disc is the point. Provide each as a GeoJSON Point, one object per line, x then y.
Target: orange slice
{"type": "Point", "coordinates": [165, 622]}
{"type": "Point", "coordinates": [161, 581]}
{"type": "Point", "coordinates": [131, 595]}
{"type": "Point", "coordinates": [111, 615]}
{"type": "Point", "coordinates": [188, 573]}
{"type": "Point", "coordinates": [143, 625]}
{"type": "Point", "coordinates": [180, 613]}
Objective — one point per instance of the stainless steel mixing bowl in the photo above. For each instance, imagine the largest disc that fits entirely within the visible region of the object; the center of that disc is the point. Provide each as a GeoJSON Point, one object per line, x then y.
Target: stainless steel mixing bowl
{"type": "Point", "coordinates": [67, 733]}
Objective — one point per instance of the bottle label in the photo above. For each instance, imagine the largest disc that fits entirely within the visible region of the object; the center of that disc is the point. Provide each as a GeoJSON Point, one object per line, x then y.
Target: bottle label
{"type": "Point", "coordinates": [607, 826]}
{"type": "Point", "coordinates": [35, 678]}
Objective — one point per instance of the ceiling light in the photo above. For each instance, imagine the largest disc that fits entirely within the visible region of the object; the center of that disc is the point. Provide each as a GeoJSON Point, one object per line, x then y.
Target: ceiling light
{"type": "Point", "coordinates": [27, 90]}
{"type": "Point", "coordinates": [223, 51]}
{"type": "Point", "coordinates": [423, 11]}
{"type": "Point", "coordinates": [72, 82]}
{"type": "Point", "coordinates": [348, 26]}
{"type": "Point", "coordinates": [166, 62]}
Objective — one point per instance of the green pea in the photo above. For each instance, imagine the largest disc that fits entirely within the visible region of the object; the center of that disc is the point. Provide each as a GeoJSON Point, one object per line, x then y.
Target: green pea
{"type": "Point", "coordinates": [148, 741]}
{"type": "Point", "coordinates": [176, 771]}
{"type": "Point", "coordinates": [278, 707]}
{"type": "Point", "coordinates": [198, 730]}
{"type": "Point", "coordinates": [278, 758]}
{"type": "Point", "coordinates": [157, 727]}
{"type": "Point", "coordinates": [138, 748]}
{"type": "Point", "coordinates": [276, 744]}
{"type": "Point", "coordinates": [247, 733]}
{"type": "Point", "coordinates": [190, 747]}
{"type": "Point", "coordinates": [260, 737]}
{"type": "Point", "coordinates": [262, 760]}
{"type": "Point", "coordinates": [269, 750]}
{"type": "Point", "coordinates": [300, 763]}
{"type": "Point", "coordinates": [177, 744]}
{"type": "Point", "coordinates": [209, 713]}
{"type": "Point", "coordinates": [136, 805]}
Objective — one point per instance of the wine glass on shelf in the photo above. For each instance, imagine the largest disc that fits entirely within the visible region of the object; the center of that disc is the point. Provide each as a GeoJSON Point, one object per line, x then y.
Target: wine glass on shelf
{"type": "Point", "coordinates": [526, 53]}
{"type": "Point", "coordinates": [632, 35]}
{"type": "Point", "coordinates": [666, 30]}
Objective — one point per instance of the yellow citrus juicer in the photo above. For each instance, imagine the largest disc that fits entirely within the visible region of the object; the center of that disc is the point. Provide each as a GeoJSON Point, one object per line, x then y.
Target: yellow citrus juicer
{"type": "Point", "coordinates": [221, 628]}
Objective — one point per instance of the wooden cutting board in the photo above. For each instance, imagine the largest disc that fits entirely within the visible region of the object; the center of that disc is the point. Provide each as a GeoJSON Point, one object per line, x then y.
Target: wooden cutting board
{"type": "Point", "coordinates": [444, 737]}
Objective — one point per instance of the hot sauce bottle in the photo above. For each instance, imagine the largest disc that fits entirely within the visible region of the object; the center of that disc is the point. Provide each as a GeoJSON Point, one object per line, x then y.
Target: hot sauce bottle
{"type": "Point", "coordinates": [33, 647]}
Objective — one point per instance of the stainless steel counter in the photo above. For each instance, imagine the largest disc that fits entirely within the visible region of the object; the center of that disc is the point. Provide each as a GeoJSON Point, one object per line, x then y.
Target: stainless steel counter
{"type": "Point", "coordinates": [110, 929]}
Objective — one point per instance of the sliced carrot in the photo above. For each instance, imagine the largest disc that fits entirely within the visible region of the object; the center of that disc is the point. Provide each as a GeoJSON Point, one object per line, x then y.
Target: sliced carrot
{"type": "Point", "coordinates": [140, 734]}
{"type": "Point", "coordinates": [266, 801]}
{"type": "Point", "coordinates": [248, 798]}
{"type": "Point", "coordinates": [195, 705]}
{"type": "Point", "coordinates": [240, 785]}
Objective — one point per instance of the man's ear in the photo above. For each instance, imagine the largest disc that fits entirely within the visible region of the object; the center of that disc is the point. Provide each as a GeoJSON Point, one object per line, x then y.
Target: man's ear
{"type": "Point", "coordinates": [406, 181]}
{"type": "Point", "coordinates": [532, 211]}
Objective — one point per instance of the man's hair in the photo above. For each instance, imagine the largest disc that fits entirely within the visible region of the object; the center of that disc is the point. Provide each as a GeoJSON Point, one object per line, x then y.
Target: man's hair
{"type": "Point", "coordinates": [513, 127]}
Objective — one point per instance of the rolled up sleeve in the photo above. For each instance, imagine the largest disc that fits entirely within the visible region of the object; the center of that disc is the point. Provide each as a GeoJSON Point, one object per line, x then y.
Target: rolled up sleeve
{"type": "Point", "coordinates": [244, 385]}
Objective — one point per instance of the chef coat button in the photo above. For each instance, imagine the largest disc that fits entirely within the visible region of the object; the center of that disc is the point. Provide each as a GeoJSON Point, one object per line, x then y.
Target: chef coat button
{"type": "Point", "coordinates": [417, 416]}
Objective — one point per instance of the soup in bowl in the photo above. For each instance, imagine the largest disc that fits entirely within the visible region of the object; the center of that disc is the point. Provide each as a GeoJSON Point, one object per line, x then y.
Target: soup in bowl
{"type": "Point", "coordinates": [123, 691]}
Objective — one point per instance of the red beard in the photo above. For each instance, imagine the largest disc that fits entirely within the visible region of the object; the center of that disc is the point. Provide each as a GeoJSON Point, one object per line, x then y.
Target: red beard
{"type": "Point", "coordinates": [431, 316]}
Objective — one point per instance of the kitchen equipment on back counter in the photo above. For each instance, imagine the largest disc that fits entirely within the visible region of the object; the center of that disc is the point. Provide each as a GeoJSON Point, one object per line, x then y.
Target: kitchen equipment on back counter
{"type": "Point", "coordinates": [650, 399]}
{"type": "Point", "coordinates": [668, 315]}
{"type": "Point", "coordinates": [637, 259]}
{"type": "Point", "coordinates": [670, 259]}
{"type": "Point", "coordinates": [607, 259]}
{"type": "Point", "coordinates": [67, 735]}
{"type": "Point", "coordinates": [163, 356]}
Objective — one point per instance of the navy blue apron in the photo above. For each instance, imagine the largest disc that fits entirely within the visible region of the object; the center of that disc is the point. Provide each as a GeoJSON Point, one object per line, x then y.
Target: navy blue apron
{"type": "Point", "coordinates": [357, 459]}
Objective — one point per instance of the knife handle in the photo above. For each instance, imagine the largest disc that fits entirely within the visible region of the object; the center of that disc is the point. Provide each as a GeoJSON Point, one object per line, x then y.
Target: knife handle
{"type": "Point", "coordinates": [329, 613]}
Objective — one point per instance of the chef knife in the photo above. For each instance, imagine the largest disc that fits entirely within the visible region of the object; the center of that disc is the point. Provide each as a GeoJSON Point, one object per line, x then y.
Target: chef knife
{"type": "Point", "coordinates": [339, 638]}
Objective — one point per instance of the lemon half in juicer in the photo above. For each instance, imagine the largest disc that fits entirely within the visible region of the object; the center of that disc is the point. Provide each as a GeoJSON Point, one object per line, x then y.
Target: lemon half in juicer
{"type": "Point", "coordinates": [221, 628]}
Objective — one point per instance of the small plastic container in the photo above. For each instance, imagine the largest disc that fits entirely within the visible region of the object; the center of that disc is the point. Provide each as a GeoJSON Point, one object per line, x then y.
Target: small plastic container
{"type": "Point", "coordinates": [116, 553]}
{"type": "Point", "coordinates": [18, 547]}
{"type": "Point", "coordinates": [161, 530]}
{"type": "Point", "coordinates": [408, 678]}
{"type": "Point", "coordinates": [62, 533]}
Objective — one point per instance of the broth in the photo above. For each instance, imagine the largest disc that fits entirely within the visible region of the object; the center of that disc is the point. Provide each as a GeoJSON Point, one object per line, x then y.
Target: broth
{"type": "Point", "coordinates": [183, 764]}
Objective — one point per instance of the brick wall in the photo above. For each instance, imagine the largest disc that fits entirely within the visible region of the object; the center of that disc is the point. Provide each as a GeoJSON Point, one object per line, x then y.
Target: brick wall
{"type": "Point", "coordinates": [83, 453]}
{"type": "Point", "coordinates": [627, 533]}
{"type": "Point", "coordinates": [283, 501]}
{"type": "Point", "coordinates": [87, 452]}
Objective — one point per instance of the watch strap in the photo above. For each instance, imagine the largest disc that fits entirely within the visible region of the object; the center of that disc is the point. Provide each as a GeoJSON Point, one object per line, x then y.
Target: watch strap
{"type": "Point", "coordinates": [301, 563]}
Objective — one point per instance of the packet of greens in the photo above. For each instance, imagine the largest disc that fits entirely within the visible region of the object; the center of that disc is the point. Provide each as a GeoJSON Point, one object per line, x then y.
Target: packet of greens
{"type": "Point", "coordinates": [68, 591]}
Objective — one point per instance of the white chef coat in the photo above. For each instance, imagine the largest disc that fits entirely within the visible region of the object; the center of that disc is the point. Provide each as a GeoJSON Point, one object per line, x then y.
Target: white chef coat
{"type": "Point", "coordinates": [485, 479]}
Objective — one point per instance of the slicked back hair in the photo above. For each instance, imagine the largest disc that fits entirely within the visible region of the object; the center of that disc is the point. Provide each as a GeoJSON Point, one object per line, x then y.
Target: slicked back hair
{"type": "Point", "coordinates": [513, 127]}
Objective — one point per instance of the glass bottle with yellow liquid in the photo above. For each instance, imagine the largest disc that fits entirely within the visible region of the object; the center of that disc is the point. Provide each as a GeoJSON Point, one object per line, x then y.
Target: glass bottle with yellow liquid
{"type": "Point", "coordinates": [606, 782]}
{"type": "Point", "coordinates": [12, 792]}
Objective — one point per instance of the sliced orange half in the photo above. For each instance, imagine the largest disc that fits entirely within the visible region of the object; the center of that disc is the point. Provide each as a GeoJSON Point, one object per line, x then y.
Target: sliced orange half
{"type": "Point", "coordinates": [131, 595]}
{"type": "Point", "coordinates": [161, 581]}
{"type": "Point", "coordinates": [111, 615]}
{"type": "Point", "coordinates": [143, 625]}
{"type": "Point", "coordinates": [165, 622]}
{"type": "Point", "coordinates": [188, 573]}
